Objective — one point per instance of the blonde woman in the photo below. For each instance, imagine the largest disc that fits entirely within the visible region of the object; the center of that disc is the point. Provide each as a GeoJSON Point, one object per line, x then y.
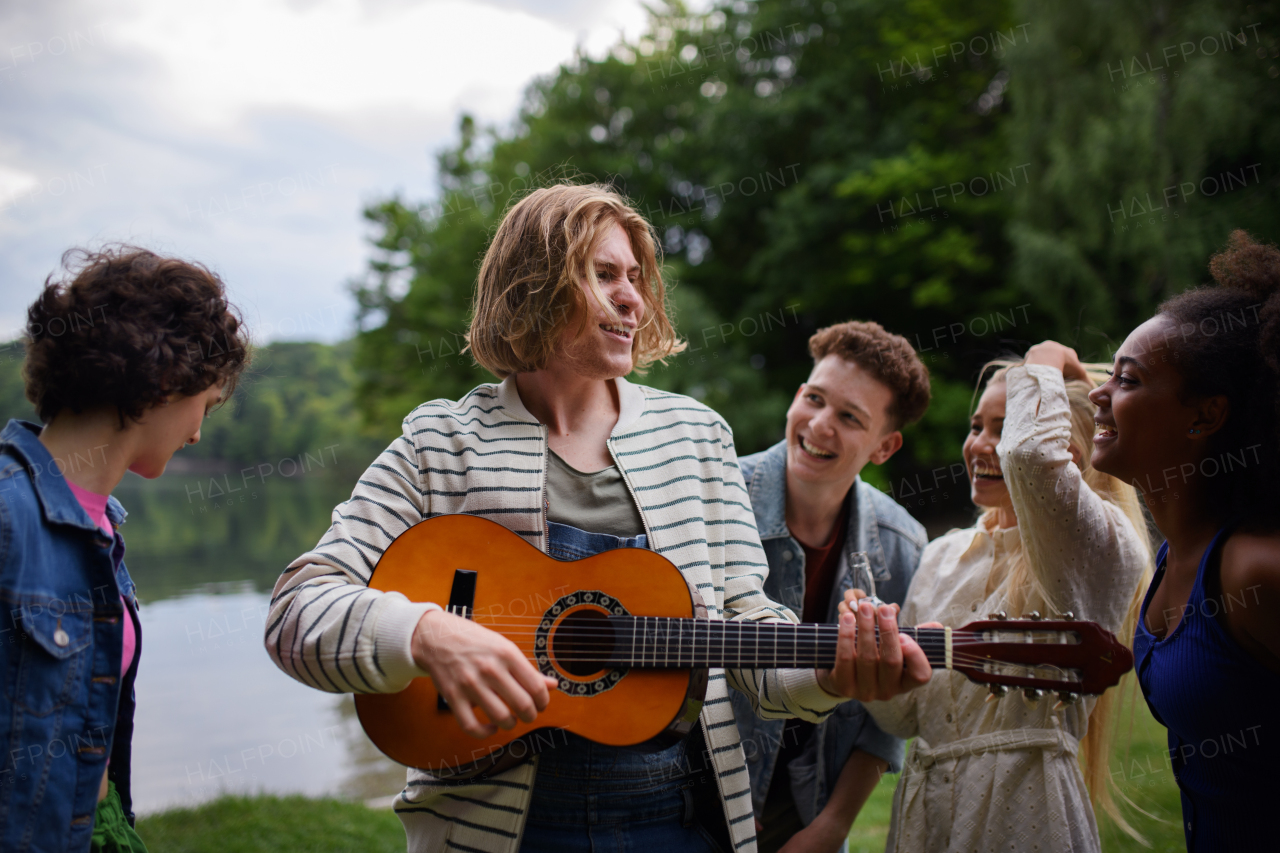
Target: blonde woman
{"type": "Point", "coordinates": [1056, 536]}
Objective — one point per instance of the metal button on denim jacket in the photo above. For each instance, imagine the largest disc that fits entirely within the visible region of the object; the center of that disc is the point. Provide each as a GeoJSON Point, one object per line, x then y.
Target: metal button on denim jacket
{"type": "Point", "coordinates": [65, 707]}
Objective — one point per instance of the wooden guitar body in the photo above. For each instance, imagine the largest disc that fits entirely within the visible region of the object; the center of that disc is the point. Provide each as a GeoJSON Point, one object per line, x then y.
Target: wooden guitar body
{"type": "Point", "coordinates": [527, 596]}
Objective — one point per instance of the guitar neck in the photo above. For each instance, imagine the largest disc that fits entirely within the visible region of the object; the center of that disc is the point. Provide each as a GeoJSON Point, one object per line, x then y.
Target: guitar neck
{"type": "Point", "coordinates": [655, 642]}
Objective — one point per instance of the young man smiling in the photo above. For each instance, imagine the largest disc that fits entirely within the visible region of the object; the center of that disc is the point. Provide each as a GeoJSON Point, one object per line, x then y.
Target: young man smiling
{"type": "Point", "coordinates": [569, 455]}
{"type": "Point", "coordinates": [813, 512]}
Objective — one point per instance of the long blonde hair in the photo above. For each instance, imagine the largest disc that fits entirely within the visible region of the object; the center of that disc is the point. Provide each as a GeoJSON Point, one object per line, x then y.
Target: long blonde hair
{"type": "Point", "coordinates": [1024, 591]}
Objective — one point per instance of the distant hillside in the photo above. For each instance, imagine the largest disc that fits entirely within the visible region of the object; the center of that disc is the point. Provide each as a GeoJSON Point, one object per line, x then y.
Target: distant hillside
{"type": "Point", "coordinates": [13, 400]}
{"type": "Point", "coordinates": [296, 399]}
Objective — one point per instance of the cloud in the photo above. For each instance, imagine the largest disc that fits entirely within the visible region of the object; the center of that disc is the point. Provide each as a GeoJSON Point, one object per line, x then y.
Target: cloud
{"type": "Point", "coordinates": [249, 134]}
{"type": "Point", "coordinates": [333, 58]}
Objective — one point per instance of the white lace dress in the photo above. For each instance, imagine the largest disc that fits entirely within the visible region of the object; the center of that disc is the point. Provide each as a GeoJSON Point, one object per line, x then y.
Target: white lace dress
{"type": "Point", "coordinates": [1003, 775]}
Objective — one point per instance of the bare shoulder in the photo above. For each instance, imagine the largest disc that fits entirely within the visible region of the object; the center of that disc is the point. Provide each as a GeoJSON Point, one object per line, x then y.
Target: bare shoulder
{"type": "Point", "coordinates": [1251, 559]}
{"type": "Point", "coordinates": [1250, 576]}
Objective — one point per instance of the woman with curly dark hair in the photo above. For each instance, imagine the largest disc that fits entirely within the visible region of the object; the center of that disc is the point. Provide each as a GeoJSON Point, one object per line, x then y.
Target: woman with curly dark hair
{"type": "Point", "coordinates": [1189, 416]}
{"type": "Point", "coordinates": [125, 358]}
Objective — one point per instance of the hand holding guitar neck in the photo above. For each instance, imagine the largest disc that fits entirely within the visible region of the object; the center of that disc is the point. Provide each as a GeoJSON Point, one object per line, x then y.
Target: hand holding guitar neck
{"type": "Point", "coordinates": [472, 665]}
{"type": "Point", "coordinates": [865, 670]}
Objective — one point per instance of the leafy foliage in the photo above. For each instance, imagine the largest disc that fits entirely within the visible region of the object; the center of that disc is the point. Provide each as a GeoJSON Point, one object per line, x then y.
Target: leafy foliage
{"type": "Point", "coordinates": [781, 151]}
{"type": "Point", "coordinates": [956, 171]}
{"type": "Point", "coordinates": [13, 397]}
{"type": "Point", "coordinates": [295, 399]}
{"type": "Point", "coordinates": [1150, 138]}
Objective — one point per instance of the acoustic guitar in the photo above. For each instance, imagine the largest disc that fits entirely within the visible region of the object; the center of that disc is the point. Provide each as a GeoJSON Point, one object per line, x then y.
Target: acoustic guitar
{"type": "Point", "coordinates": [630, 643]}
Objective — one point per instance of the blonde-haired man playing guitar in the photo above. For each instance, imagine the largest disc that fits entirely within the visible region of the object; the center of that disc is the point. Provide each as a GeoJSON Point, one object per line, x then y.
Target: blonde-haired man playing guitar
{"type": "Point", "coordinates": [573, 458]}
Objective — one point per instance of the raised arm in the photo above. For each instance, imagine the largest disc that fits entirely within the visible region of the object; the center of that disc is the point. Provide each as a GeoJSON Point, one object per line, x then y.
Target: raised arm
{"type": "Point", "coordinates": [1082, 549]}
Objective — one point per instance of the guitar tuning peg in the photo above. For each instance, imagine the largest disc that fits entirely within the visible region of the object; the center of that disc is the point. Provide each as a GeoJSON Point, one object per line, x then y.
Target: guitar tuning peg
{"type": "Point", "coordinates": [1066, 698]}
{"type": "Point", "coordinates": [1031, 695]}
{"type": "Point", "coordinates": [1067, 617]}
{"type": "Point", "coordinates": [999, 614]}
{"type": "Point", "coordinates": [997, 691]}
{"type": "Point", "coordinates": [1034, 616]}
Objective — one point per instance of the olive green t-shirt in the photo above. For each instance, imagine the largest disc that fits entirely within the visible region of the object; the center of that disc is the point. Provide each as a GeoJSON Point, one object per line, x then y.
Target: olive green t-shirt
{"type": "Point", "coordinates": [597, 502]}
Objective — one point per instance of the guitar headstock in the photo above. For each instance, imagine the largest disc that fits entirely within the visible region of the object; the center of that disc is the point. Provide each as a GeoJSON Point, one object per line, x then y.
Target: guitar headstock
{"type": "Point", "coordinates": [1065, 655]}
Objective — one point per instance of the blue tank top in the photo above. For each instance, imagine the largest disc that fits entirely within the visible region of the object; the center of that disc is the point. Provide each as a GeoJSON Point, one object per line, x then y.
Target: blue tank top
{"type": "Point", "coordinates": [1222, 710]}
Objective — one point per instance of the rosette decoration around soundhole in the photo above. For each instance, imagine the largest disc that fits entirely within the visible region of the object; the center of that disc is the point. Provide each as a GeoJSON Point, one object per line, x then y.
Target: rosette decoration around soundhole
{"type": "Point", "coordinates": [575, 639]}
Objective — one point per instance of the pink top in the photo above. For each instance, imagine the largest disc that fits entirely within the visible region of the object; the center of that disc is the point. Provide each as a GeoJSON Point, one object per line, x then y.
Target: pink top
{"type": "Point", "coordinates": [96, 506]}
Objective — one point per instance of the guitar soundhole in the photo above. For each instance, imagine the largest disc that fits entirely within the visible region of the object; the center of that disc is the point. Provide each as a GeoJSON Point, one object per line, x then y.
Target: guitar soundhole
{"type": "Point", "coordinates": [574, 641]}
{"type": "Point", "coordinates": [582, 642]}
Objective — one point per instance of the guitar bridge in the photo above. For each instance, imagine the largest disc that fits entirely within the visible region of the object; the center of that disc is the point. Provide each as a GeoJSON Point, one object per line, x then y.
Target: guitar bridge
{"type": "Point", "coordinates": [462, 602]}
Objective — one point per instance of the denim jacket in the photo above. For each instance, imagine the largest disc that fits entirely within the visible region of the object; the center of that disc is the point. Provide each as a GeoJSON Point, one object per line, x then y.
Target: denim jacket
{"type": "Point", "coordinates": [893, 541]}
{"type": "Point", "coordinates": [65, 707]}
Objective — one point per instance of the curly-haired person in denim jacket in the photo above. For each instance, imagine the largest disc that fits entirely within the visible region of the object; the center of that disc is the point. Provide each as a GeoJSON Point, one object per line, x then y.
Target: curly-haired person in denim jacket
{"type": "Point", "coordinates": [809, 781]}
{"type": "Point", "coordinates": [124, 359]}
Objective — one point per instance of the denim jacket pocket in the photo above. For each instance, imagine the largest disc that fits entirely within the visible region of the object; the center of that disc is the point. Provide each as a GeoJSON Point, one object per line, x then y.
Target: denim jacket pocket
{"type": "Point", "coordinates": [51, 655]}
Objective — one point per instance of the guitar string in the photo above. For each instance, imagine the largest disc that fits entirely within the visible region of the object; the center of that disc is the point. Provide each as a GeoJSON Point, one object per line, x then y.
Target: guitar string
{"type": "Point", "coordinates": [782, 636]}
{"type": "Point", "coordinates": [1066, 676]}
{"type": "Point", "coordinates": [804, 659]}
{"type": "Point", "coordinates": [1007, 626]}
{"type": "Point", "coordinates": [826, 630]}
{"type": "Point", "coordinates": [722, 652]}
{"type": "Point", "coordinates": [802, 662]}
{"type": "Point", "coordinates": [731, 648]}
{"type": "Point", "coordinates": [794, 640]}
{"type": "Point", "coordinates": [726, 644]}
{"type": "Point", "coordinates": [525, 623]}
{"type": "Point", "coordinates": [724, 656]}
{"type": "Point", "coordinates": [720, 646]}
{"type": "Point", "coordinates": [1002, 625]}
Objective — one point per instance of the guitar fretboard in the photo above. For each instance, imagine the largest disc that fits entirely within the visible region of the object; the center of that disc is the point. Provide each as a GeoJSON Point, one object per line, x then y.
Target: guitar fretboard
{"type": "Point", "coordinates": [655, 642]}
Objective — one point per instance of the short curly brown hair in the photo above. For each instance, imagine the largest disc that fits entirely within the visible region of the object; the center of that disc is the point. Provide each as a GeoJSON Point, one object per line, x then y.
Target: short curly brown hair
{"type": "Point", "coordinates": [889, 358]}
{"type": "Point", "coordinates": [127, 328]}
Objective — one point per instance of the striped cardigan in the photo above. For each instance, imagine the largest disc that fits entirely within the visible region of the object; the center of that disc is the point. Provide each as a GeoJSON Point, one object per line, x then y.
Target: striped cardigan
{"type": "Point", "coordinates": [486, 455]}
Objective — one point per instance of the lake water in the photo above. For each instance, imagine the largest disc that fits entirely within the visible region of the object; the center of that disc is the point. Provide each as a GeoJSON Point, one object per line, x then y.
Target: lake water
{"type": "Point", "coordinates": [214, 714]}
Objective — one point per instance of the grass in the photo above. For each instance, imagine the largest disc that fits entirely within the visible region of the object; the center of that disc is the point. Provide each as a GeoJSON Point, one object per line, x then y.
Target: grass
{"type": "Point", "coordinates": [1139, 765]}
{"type": "Point", "coordinates": [271, 824]}
{"type": "Point", "coordinates": [1141, 771]}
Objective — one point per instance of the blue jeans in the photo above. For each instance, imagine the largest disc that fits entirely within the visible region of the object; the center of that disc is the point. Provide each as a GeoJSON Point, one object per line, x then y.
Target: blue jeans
{"type": "Point", "coordinates": [594, 798]}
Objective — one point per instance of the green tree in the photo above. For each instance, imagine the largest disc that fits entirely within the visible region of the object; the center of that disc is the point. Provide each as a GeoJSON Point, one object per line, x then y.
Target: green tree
{"type": "Point", "coordinates": [773, 146]}
{"type": "Point", "coordinates": [296, 398]}
{"type": "Point", "coordinates": [1151, 137]}
{"type": "Point", "coordinates": [13, 395]}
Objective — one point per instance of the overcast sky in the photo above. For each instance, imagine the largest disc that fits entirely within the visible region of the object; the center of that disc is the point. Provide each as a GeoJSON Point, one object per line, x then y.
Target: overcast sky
{"type": "Point", "coordinates": [248, 134]}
